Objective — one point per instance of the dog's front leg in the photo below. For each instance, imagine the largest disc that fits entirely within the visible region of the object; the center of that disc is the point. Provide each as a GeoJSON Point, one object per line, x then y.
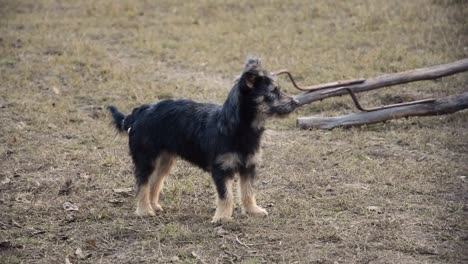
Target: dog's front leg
{"type": "Point", "coordinates": [247, 195]}
{"type": "Point", "coordinates": [223, 181]}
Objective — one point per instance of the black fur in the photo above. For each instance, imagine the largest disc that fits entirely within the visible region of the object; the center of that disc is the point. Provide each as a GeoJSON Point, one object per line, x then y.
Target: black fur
{"type": "Point", "coordinates": [200, 132]}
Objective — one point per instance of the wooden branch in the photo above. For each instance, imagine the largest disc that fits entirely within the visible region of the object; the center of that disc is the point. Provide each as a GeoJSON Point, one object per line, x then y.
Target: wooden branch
{"type": "Point", "coordinates": [441, 106]}
{"type": "Point", "coordinates": [319, 86]}
{"type": "Point", "coordinates": [428, 73]}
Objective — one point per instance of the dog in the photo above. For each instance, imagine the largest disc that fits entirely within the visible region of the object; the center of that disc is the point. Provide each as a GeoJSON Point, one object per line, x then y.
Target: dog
{"type": "Point", "coordinates": [221, 139]}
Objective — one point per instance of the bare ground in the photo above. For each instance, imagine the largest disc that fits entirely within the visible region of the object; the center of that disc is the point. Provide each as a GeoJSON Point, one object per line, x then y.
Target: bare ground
{"type": "Point", "coordinates": [386, 193]}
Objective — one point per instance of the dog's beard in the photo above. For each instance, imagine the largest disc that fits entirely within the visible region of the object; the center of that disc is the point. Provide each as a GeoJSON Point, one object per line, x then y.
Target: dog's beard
{"type": "Point", "coordinates": [283, 109]}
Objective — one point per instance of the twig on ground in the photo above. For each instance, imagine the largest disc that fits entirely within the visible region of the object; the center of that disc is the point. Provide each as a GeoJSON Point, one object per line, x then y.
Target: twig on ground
{"type": "Point", "coordinates": [241, 243]}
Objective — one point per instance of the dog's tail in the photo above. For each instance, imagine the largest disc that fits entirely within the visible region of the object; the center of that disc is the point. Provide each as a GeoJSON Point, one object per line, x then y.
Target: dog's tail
{"type": "Point", "coordinates": [118, 118]}
{"type": "Point", "coordinates": [122, 122]}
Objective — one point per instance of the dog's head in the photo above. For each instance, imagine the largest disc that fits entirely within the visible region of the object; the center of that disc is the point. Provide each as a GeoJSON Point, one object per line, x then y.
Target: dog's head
{"type": "Point", "coordinates": [263, 91]}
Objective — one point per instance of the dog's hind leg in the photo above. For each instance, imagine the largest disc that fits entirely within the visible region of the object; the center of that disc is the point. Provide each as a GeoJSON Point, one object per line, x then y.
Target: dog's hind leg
{"type": "Point", "coordinates": [144, 167]}
{"type": "Point", "coordinates": [164, 163]}
{"type": "Point", "coordinates": [223, 182]}
{"type": "Point", "coordinates": [247, 196]}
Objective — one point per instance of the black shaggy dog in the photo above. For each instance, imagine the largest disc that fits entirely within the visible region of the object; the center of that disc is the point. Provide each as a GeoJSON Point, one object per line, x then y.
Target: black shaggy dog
{"type": "Point", "coordinates": [221, 139]}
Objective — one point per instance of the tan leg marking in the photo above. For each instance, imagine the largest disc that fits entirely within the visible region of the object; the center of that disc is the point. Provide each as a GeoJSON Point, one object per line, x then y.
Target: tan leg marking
{"type": "Point", "coordinates": [163, 166]}
{"type": "Point", "coordinates": [247, 197]}
{"type": "Point", "coordinates": [143, 202]}
{"type": "Point", "coordinates": [224, 206]}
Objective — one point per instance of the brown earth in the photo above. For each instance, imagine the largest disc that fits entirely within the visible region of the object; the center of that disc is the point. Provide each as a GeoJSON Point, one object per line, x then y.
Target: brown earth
{"type": "Point", "coordinates": [386, 193]}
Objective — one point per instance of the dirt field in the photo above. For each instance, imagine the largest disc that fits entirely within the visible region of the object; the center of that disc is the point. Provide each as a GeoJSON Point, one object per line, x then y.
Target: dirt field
{"type": "Point", "coordinates": [386, 193]}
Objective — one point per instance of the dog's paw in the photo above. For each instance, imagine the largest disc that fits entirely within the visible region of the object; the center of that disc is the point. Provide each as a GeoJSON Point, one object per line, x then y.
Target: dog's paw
{"type": "Point", "coordinates": [145, 212]}
{"type": "Point", "coordinates": [256, 211]}
{"type": "Point", "coordinates": [157, 207]}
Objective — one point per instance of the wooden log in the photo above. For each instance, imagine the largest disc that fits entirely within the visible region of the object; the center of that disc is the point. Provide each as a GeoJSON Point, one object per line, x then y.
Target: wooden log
{"type": "Point", "coordinates": [446, 105]}
{"type": "Point", "coordinates": [420, 74]}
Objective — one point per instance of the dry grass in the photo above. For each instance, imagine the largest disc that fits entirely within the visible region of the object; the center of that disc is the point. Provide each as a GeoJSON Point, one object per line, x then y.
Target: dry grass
{"type": "Point", "coordinates": [61, 62]}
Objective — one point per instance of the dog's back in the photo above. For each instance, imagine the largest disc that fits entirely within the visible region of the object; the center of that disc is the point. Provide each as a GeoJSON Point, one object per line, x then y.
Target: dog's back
{"type": "Point", "coordinates": [181, 127]}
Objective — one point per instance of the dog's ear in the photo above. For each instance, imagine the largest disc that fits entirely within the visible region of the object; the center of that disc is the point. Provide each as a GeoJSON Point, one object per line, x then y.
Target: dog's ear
{"type": "Point", "coordinates": [252, 70]}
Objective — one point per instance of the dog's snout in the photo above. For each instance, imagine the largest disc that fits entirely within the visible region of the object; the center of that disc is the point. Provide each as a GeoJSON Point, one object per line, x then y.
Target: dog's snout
{"type": "Point", "coordinates": [293, 100]}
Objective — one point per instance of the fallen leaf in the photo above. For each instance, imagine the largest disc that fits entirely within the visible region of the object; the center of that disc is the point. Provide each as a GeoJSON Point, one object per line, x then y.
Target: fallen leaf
{"type": "Point", "coordinates": [16, 224]}
{"type": "Point", "coordinates": [70, 207]}
{"type": "Point", "coordinates": [116, 201]}
{"type": "Point", "coordinates": [79, 253]}
{"type": "Point", "coordinates": [124, 191]}
{"type": "Point", "coordinates": [36, 231]}
{"type": "Point", "coordinates": [21, 125]}
{"type": "Point", "coordinates": [195, 255]}
{"type": "Point", "coordinates": [5, 180]}
{"type": "Point", "coordinates": [175, 259]}
{"type": "Point", "coordinates": [67, 261]}
{"type": "Point", "coordinates": [220, 231]}
{"type": "Point", "coordinates": [56, 90]}
{"type": "Point", "coordinates": [92, 243]}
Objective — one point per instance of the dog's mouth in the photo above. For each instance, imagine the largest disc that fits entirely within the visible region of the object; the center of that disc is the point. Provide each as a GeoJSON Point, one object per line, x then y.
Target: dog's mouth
{"type": "Point", "coordinates": [285, 108]}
